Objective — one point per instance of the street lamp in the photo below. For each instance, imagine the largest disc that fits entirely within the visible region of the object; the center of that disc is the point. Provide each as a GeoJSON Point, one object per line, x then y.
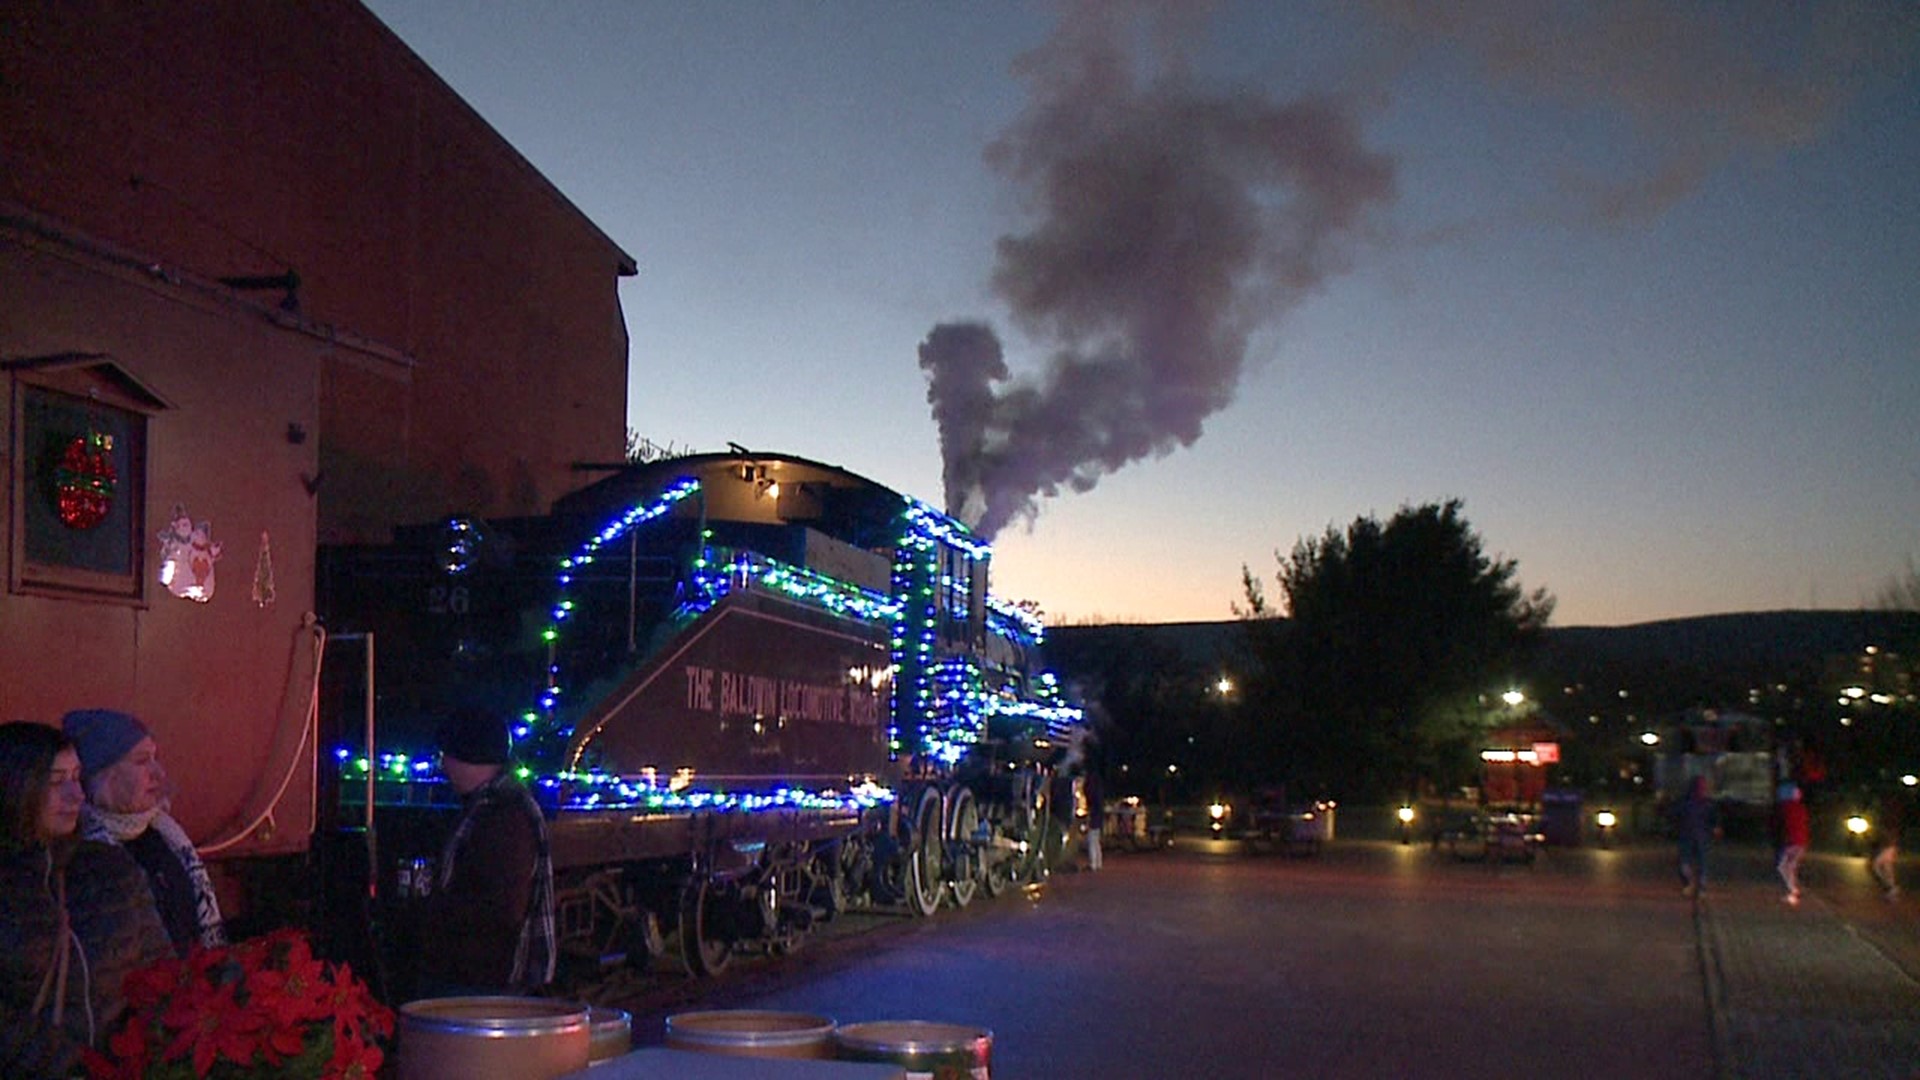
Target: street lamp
{"type": "Point", "coordinates": [1217, 815]}
{"type": "Point", "coordinates": [1857, 826]}
{"type": "Point", "coordinates": [1606, 820]}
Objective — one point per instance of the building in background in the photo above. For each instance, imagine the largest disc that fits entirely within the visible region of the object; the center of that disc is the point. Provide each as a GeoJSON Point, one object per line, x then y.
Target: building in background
{"type": "Point", "coordinates": [265, 282]}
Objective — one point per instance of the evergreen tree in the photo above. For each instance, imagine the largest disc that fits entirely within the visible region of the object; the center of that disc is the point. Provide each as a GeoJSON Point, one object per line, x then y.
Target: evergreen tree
{"type": "Point", "coordinates": [1394, 633]}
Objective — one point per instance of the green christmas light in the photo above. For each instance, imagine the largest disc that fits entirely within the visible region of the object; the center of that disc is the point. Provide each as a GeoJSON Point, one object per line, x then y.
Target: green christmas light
{"type": "Point", "coordinates": [940, 706]}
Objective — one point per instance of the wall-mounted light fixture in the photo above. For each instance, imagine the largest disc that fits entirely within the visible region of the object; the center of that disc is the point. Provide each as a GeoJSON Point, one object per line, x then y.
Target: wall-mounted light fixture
{"type": "Point", "coordinates": [764, 486]}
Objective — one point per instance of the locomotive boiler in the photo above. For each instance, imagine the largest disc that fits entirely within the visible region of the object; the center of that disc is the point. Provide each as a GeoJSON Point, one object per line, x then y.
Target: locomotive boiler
{"type": "Point", "coordinates": [751, 691]}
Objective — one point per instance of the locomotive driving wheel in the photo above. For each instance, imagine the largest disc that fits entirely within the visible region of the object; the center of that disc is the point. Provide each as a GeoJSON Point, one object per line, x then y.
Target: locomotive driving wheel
{"type": "Point", "coordinates": [963, 854]}
{"type": "Point", "coordinates": [1000, 865]}
{"type": "Point", "coordinates": [924, 849]}
{"type": "Point", "coordinates": [1014, 855]}
{"type": "Point", "coordinates": [702, 949]}
{"type": "Point", "coordinates": [1004, 861]}
{"type": "Point", "coordinates": [1040, 828]}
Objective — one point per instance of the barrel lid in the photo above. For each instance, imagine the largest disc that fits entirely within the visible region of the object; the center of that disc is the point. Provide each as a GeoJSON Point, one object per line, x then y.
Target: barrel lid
{"type": "Point", "coordinates": [748, 1027]}
{"type": "Point", "coordinates": [493, 1015]}
{"type": "Point", "coordinates": [911, 1036]}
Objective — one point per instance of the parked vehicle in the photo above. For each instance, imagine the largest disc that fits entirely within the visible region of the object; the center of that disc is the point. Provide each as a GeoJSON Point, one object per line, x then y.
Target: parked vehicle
{"type": "Point", "coordinates": [1134, 825]}
{"type": "Point", "coordinates": [1733, 750]}
{"type": "Point", "coordinates": [1494, 835]}
{"type": "Point", "coordinates": [1292, 828]}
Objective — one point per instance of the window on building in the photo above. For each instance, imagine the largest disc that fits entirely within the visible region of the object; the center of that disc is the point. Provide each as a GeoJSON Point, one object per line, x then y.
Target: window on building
{"type": "Point", "coordinates": [78, 522]}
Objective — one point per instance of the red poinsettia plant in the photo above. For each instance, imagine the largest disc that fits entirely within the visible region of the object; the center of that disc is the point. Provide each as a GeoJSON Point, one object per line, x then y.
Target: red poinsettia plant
{"type": "Point", "coordinates": [264, 1007]}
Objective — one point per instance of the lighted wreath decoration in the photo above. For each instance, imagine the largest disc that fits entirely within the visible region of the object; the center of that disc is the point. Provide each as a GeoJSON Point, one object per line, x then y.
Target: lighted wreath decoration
{"type": "Point", "coordinates": [84, 483]}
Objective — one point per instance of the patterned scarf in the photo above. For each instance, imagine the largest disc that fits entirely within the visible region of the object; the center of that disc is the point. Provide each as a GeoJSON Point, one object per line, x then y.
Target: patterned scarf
{"type": "Point", "coordinates": [109, 827]}
{"type": "Point", "coordinates": [534, 957]}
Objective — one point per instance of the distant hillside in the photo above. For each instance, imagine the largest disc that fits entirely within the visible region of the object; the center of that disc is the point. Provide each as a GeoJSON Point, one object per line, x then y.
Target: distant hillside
{"type": "Point", "coordinates": [1203, 644]}
{"type": "Point", "coordinates": [1768, 640]}
{"type": "Point", "coordinates": [1733, 647]}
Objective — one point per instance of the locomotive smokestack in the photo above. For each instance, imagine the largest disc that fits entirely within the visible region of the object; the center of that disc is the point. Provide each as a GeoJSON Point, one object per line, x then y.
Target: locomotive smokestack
{"type": "Point", "coordinates": [1169, 225]}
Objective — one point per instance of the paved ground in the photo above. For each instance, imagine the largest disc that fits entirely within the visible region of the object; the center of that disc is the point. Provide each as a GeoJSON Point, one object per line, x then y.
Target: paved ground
{"type": "Point", "coordinates": [1826, 989]}
{"type": "Point", "coordinates": [1375, 959]}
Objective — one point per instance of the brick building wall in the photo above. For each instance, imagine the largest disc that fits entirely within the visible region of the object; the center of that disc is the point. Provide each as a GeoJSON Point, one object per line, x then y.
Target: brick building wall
{"type": "Point", "coordinates": [242, 139]}
{"type": "Point", "coordinates": [454, 343]}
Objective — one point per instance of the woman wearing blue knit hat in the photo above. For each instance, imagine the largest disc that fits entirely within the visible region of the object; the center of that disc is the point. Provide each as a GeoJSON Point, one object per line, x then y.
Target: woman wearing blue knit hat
{"type": "Point", "coordinates": [127, 796]}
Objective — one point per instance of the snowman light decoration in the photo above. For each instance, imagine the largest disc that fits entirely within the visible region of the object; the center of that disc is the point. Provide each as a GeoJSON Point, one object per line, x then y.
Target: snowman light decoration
{"type": "Point", "coordinates": [187, 554]}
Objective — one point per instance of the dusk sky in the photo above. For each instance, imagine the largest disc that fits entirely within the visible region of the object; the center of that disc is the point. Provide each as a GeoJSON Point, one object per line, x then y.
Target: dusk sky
{"type": "Point", "coordinates": [1637, 282]}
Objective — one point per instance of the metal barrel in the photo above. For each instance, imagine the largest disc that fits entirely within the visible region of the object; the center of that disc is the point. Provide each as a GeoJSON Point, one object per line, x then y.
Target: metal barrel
{"type": "Point", "coordinates": [491, 1038]}
{"type": "Point", "coordinates": [927, 1050]}
{"type": "Point", "coordinates": [611, 1034]}
{"type": "Point", "coordinates": [752, 1033]}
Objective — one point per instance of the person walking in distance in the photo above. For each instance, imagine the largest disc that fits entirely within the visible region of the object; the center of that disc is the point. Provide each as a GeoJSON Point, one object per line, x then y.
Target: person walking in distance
{"type": "Point", "coordinates": [1794, 834]}
{"type": "Point", "coordinates": [1092, 789]}
{"type": "Point", "coordinates": [1693, 829]}
{"type": "Point", "coordinates": [1886, 842]}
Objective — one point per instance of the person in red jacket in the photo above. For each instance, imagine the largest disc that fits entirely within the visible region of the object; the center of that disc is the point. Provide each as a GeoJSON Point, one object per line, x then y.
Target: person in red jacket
{"type": "Point", "coordinates": [1795, 833]}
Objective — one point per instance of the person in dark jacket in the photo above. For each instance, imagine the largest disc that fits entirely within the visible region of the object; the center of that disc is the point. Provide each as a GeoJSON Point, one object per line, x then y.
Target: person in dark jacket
{"type": "Point", "coordinates": [75, 916]}
{"type": "Point", "coordinates": [1094, 791]}
{"type": "Point", "coordinates": [488, 924]}
{"type": "Point", "coordinates": [127, 798]}
{"type": "Point", "coordinates": [1695, 821]}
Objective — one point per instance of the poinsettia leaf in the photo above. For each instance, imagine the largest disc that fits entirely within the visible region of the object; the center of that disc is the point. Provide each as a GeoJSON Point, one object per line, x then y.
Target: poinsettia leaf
{"type": "Point", "coordinates": [263, 1007]}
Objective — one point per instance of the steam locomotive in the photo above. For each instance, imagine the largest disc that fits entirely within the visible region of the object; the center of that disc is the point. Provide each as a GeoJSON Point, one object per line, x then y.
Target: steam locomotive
{"type": "Point", "coordinates": [752, 691]}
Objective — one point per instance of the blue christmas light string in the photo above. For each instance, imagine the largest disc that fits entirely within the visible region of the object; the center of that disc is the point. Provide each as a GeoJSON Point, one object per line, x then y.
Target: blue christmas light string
{"type": "Point", "coordinates": [951, 699]}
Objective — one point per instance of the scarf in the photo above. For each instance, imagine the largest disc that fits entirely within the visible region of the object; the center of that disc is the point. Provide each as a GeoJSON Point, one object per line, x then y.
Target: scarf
{"type": "Point", "coordinates": [534, 956]}
{"type": "Point", "coordinates": [120, 827]}
{"type": "Point", "coordinates": [112, 827]}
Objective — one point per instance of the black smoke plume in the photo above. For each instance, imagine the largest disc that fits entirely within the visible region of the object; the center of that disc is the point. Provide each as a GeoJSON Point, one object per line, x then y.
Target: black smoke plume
{"type": "Point", "coordinates": [1169, 224]}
